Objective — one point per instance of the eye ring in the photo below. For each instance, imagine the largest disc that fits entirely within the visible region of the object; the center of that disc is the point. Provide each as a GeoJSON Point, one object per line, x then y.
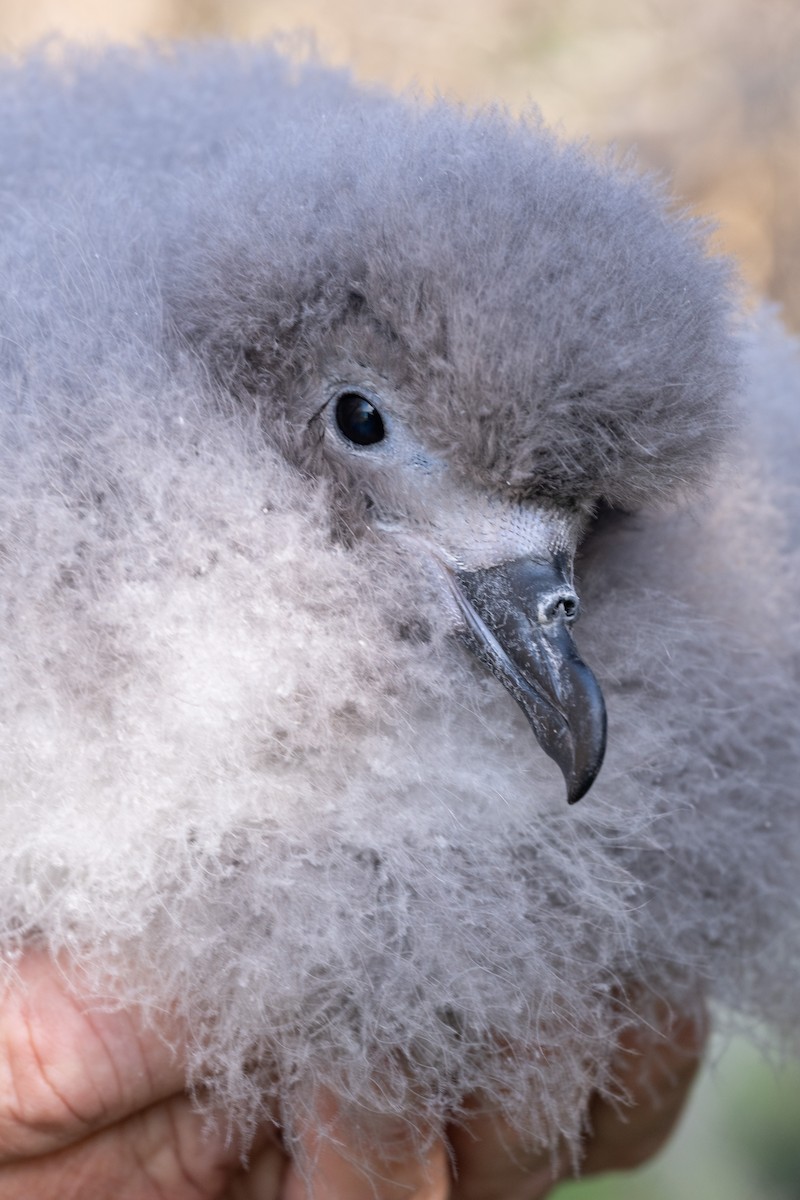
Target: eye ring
{"type": "Point", "coordinates": [357, 418]}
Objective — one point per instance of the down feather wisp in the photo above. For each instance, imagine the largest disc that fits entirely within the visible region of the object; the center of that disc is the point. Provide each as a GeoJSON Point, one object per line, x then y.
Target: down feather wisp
{"type": "Point", "coordinates": [248, 771]}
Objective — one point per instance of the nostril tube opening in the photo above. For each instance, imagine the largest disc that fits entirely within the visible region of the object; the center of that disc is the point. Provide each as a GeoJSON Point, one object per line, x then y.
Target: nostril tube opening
{"type": "Point", "coordinates": [559, 604]}
{"type": "Point", "coordinates": [569, 604]}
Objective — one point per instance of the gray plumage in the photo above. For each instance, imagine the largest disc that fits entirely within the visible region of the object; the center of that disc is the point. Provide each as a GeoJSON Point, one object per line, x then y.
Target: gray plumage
{"type": "Point", "coordinates": [247, 770]}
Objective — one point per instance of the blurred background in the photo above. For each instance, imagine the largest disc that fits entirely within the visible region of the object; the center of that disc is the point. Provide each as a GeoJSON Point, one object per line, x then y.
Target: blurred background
{"type": "Point", "coordinates": [705, 91]}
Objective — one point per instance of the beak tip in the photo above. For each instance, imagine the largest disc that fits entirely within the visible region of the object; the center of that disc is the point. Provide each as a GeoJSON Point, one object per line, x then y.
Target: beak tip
{"type": "Point", "coordinates": [580, 782]}
{"type": "Point", "coordinates": [577, 790]}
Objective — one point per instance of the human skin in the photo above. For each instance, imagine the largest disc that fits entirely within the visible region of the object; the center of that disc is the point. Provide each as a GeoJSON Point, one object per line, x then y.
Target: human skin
{"type": "Point", "coordinates": [93, 1107]}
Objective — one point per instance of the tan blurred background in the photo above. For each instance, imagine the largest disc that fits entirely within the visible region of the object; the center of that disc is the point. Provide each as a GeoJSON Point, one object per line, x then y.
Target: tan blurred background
{"type": "Point", "coordinates": [707, 91]}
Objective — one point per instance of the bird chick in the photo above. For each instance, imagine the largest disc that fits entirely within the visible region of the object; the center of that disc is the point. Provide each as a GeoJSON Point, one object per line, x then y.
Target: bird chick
{"type": "Point", "coordinates": [308, 391]}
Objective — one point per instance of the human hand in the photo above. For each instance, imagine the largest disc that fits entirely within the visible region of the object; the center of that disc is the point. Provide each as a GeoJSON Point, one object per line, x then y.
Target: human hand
{"type": "Point", "coordinates": [656, 1078]}
{"type": "Point", "coordinates": [93, 1107]}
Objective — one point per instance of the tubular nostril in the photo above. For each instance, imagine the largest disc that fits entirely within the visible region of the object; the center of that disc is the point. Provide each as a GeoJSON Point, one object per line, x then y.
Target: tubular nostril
{"type": "Point", "coordinates": [558, 604]}
{"type": "Point", "coordinates": [570, 605]}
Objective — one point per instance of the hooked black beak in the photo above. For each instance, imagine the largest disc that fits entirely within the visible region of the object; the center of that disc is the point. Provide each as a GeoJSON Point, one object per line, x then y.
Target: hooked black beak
{"type": "Point", "coordinates": [517, 618]}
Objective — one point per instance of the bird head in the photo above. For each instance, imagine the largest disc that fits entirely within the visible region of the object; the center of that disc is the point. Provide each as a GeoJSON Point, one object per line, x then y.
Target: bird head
{"type": "Point", "coordinates": [504, 568]}
{"type": "Point", "coordinates": [476, 334]}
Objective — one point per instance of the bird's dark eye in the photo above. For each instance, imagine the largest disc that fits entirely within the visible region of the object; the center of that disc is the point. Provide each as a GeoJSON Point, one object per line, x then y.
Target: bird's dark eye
{"type": "Point", "coordinates": [359, 420]}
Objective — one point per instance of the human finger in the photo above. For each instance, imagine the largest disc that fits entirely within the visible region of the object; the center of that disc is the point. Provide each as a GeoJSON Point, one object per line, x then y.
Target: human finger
{"type": "Point", "coordinates": [653, 1071]}
{"type": "Point", "coordinates": [656, 1077]}
{"type": "Point", "coordinates": [166, 1151]}
{"type": "Point", "coordinates": [68, 1070]}
{"type": "Point", "coordinates": [493, 1162]}
{"type": "Point", "coordinates": [333, 1161]}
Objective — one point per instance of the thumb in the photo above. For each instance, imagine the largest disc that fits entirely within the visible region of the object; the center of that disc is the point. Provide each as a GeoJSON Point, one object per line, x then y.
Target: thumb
{"type": "Point", "coordinates": [68, 1069]}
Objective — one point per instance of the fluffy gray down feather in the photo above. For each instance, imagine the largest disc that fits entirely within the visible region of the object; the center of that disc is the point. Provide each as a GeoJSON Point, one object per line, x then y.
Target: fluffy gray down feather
{"type": "Point", "coordinates": [247, 770]}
